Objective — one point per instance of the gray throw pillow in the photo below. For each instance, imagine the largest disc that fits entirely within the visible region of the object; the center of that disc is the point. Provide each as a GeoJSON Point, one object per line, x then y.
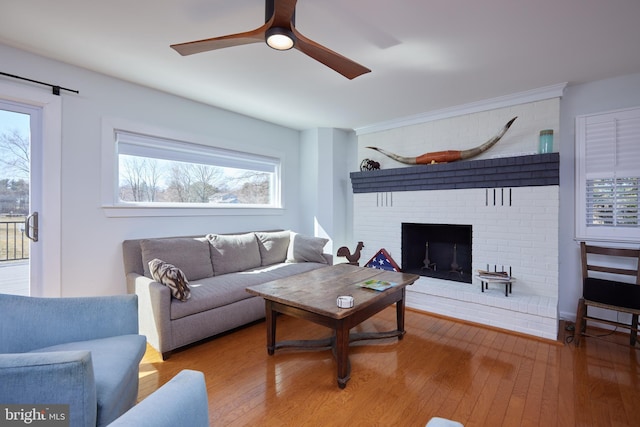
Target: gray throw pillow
{"type": "Point", "coordinates": [306, 249]}
{"type": "Point", "coordinates": [191, 255]}
{"type": "Point", "coordinates": [273, 246]}
{"type": "Point", "coordinates": [236, 252]}
{"type": "Point", "coordinates": [172, 277]}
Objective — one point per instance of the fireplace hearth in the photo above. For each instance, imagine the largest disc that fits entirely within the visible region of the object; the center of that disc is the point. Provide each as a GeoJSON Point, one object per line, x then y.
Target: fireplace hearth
{"type": "Point", "coordinates": [442, 251]}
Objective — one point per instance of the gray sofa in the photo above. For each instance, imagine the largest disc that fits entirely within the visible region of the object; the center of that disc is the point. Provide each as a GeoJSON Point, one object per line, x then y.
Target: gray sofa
{"type": "Point", "coordinates": [218, 268]}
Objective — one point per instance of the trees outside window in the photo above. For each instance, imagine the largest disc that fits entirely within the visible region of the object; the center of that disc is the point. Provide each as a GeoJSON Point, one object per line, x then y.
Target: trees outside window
{"type": "Point", "coordinates": [14, 179]}
{"type": "Point", "coordinates": [159, 171]}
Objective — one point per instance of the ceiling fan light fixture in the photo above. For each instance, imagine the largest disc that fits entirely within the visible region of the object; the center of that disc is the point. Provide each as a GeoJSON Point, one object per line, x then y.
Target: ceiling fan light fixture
{"type": "Point", "coordinates": [279, 38]}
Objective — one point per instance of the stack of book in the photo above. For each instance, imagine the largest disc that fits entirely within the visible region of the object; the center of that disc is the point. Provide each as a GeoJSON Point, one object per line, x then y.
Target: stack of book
{"type": "Point", "coordinates": [495, 275]}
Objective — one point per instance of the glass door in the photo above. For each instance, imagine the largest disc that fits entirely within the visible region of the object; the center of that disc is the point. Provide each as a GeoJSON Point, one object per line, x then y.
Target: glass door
{"type": "Point", "coordinates": [18, 219]}
{"type": "Point", "coordinates": [36, 115]}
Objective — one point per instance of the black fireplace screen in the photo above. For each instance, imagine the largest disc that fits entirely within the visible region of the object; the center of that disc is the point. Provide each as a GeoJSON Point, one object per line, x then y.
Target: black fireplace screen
{"type": "Point", "coordinates": [442, 251]}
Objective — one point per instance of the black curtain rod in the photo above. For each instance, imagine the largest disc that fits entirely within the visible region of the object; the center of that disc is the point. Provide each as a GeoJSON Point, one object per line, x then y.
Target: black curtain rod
{"type": "Point", "coordinates": [54, 88]}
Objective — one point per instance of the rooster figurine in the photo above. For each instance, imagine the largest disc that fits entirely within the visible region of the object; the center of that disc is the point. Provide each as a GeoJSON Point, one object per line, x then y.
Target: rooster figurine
{"type": "Point", "coordinates": [352, 258]}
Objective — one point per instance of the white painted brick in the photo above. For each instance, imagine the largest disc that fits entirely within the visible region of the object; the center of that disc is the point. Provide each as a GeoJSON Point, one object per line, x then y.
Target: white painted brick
{"type": "Point", "coordinates": [523, 237]}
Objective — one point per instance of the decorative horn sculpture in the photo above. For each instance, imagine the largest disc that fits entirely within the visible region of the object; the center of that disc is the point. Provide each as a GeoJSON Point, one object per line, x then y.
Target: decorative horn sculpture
{"type": "Point", "coordinates": [449, 155]}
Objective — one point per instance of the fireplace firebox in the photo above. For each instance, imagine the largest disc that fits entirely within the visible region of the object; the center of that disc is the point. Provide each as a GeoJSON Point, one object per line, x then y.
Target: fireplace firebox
{"type": "Point", "coordinates": [442, 251]}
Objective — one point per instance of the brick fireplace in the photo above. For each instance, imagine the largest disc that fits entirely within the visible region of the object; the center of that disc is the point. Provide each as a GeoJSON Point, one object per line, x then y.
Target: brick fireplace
{"type": "Point", "coordinates": [510, 208]}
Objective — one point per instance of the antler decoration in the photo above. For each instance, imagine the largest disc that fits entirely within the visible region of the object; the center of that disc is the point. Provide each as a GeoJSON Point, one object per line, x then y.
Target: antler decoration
{"type": "Point", "coordinates": [449, 155]}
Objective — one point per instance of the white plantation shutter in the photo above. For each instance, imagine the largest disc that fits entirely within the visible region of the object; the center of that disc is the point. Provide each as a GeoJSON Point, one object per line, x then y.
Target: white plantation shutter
{"type": "Point", "coordinates": [608, 176]}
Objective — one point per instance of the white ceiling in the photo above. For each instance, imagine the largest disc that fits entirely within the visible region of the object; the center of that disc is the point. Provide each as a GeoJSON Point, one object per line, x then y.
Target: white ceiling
{"type": "Point", "coordinates": [424, 55]}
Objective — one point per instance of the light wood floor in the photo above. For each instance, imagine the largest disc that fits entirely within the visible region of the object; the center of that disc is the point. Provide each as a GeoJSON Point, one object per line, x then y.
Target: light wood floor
{"type": "Point", "coordinates": [445, 368]}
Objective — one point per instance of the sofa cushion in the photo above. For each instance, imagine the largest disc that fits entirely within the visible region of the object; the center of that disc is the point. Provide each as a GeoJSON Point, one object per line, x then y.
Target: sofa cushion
{"type": "Point", "coordinates": [273, 246]}
{"type": "Point", "coordinates": [219, 291]}
{"type": "Point", "coordinates": [188, 254]}
{"type": "Point", "coordinates": [306, 249]}
{"type": "Point", "coordinates": [232, 253]}
{"type": "Point", "coordinates": [172, 277]}
{"type": "Point", "coordinates": [115, 367]}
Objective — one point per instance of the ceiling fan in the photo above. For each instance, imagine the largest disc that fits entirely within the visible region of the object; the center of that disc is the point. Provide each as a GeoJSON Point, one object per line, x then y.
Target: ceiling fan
{"type": "Point", "coordinates": [280, 33]}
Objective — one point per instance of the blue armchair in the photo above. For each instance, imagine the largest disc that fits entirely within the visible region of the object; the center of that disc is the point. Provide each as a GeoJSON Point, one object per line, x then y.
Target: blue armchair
{"type": "Point", "coordinates": [180, 402]}
{"type": "Point", "coordinates": [81, 352]}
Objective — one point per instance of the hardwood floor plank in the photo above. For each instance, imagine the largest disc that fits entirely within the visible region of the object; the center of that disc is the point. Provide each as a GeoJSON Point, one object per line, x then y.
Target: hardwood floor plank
{"type": "Point", "coordinates": [476, 375]}
{"type": "Point", "coordinates": [566, 398]}
{"type": "Point", "coordinates": [452, 378]}
{"type": "Point", "coordinates": [494, 369]}
{"type": "Point", "coordinates": [480, 374]}
{"type": "Point", "coordinates": [533, 402]}
{"type": "Point", "coordinates": [623, 358]}
{"type": "Point", "coordinates": [446, 354]}
{"type": "Point", "coordinates": [520, 381]}
{"type": "Point", "coordinates": [549, 405]}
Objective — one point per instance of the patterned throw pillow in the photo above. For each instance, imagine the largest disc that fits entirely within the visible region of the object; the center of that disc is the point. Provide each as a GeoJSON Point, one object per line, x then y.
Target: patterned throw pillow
{"type": "Point", "coordinates": [172, 277]}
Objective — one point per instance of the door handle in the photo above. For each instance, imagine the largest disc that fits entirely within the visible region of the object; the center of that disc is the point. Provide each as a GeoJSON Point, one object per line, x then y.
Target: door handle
{"type": "Point", "coordinates": [31, 223]}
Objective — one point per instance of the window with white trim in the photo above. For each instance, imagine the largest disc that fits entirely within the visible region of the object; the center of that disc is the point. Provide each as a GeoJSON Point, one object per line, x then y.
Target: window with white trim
{"type": "Point", "coordinates": [608, 176]}
{"type": "Point", "coordinates": [157, 171]}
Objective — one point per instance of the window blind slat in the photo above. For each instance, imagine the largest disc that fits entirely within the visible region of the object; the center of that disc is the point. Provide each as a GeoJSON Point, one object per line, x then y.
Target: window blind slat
{"type": "Point", "coordinates": [628, 146]}
{"type": "Point", "coordinates": [612, 202]}
{"type": "Point", "coordinates": [159, 148]}
{"type": "Point", "coordinates": [600, 158]}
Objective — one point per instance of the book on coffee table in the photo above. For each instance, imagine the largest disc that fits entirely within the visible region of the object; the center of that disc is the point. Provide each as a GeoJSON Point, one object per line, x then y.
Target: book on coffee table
{"type": "Point", "coordinates": [376, 285]}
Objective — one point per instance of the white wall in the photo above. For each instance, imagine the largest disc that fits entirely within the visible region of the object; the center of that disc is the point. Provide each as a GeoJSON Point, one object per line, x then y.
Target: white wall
{"type": "Point", "coordinates": [465, 131]}
{"type": "Point", "coordinates": [599, 96]}
{"type": "Point", "coordinates": [91, 242]}
{"type": "Point", "coordinates": [327, 158]}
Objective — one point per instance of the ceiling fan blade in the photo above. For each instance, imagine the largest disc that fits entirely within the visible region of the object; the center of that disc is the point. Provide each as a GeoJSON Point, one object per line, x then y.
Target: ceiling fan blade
{"type": "Point", "coordinates": [283, 12]}
{"type": "Point", "coordinates": [331, 59]}
{"type": "Point", "coordinates": [189, 48]}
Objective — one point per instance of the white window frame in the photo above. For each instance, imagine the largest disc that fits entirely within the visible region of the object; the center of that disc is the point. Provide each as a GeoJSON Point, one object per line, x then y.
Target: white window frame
{"type": "Point", "coordinates": [141, 137]}
{"type": "Point", "coordinates": [606, 162]}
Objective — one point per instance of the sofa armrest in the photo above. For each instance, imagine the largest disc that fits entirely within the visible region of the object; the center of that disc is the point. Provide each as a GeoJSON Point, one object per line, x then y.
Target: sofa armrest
{"type": "Point", "coordinates": [154, 301]}
{"type": "Point", "coordinates": [63, 377]}
{"type": "Point", "coordinates": [181, 401]}
{"type": "Point", "coordinates": [30, 323]}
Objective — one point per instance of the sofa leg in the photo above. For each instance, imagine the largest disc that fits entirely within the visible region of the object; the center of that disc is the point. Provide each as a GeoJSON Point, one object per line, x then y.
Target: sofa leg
{"type": "Point", "coordinates": [634, 330]}
{"type": "Point", "coordinates": [166, 355]}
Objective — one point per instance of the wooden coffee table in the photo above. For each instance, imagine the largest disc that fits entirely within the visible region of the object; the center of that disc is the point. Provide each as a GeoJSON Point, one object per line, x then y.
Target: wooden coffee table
{"type": "Point", "coordinates": [312, 296]}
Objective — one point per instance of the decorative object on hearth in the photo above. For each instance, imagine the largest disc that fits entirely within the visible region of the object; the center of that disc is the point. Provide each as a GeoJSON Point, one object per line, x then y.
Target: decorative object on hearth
{"type": "Point", "coordinates": [352, 258]}
{"type": "Point", "coordinates": [278, 32]}
{"type": "Point", "coordinates": [449, 155]}
{"type": "Point", "coordinates": [455, 268]}
{"type": "Point", "coordinates": [382, 261]}
{"type": "Point", "coordinates": [497, 277]}
{"type": "Point", "coordinates": [369, 165]}
{"type": "Point", "coordinates": [428, 265]}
